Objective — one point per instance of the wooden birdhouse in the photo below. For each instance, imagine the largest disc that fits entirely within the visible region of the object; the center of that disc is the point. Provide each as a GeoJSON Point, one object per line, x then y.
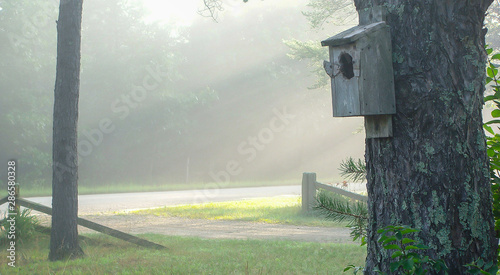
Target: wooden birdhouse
{"type": "Point", "coordinates": [362, 79]}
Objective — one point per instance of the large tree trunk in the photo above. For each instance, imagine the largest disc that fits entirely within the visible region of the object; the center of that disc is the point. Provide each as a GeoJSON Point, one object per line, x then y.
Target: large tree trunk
{"type": "Point", "coordinates": [433, 174]}
{"type": "Point", "coordinates": [64, 233]}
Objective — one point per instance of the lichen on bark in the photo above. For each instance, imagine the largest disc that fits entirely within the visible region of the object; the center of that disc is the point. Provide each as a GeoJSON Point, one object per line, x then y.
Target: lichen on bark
{"type": "Point", "coordinates": [433, 174]}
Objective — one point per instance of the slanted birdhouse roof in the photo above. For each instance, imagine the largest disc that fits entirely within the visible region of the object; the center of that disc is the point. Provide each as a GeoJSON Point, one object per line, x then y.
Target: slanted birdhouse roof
{"type": "Point", "coordinates": [353, 34]}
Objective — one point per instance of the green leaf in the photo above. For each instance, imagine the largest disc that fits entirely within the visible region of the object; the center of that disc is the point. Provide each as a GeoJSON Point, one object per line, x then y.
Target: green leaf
{"type": "Point", "coordinates": [363, 241]}
{"type": "Point", "coordinates": [492, 122]}
{"type": "Point", "coordinates": [480, 262]}
{"type": "Point", "coordinates": [388, 240]}
{"type": "Point", "coordinates": [407, 241]}
{"type": "Point", "coordinates": [489, 97]}
{"type": "Point", "coordinates": [408, 264]}
{"type": "Point", "coordinates": [487, 265]}
{"type": "Point", "coordinates": [489, 72]}
{"type": "Point", "coordinates": [412, 247]}
{"type": "Point", "coordinates": [382, 238]}
{"type": "Point", "coordinates": [421, 246]}
{"type": "Point", "coordinates": [414, 255]}
{"type": "Point", "coordinates": [424, 259]}
{"type": "Point", "coordinates": [439, 265]}
{"type": "Point", "coordinates": [488, 129]}
{"type": "Point", "coordinates": [495, 113]}
{"type": "Point", "coordinates": [394, 266]}
{"type": "Point", "coordinates": [396, 254]}
{"type": "Point", "coordinates": [496, 56]}
{"type": "Point", "coordinates": [348, 267]}
{"type": "Point", "coordinates": [489, 51]}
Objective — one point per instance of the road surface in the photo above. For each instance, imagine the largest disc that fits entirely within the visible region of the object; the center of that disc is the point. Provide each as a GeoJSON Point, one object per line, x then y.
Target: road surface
{"type": "Point", "coordinates": [100, 208]}
{"type": "Point", "coordinates": [101, 203]}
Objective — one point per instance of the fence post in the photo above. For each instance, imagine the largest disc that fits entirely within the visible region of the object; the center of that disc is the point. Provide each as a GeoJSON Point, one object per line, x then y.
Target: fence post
{"type": "Point", "coordinates": [308, 191]}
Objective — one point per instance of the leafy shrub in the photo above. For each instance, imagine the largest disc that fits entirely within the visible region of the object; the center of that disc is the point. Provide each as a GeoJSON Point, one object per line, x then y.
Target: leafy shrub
{"type": "Point", "coordinates": [493, 139]}
{"type": "Point", "coordinates": [25, 226]}
{"type": "Point", "coordinates": [407, 260]}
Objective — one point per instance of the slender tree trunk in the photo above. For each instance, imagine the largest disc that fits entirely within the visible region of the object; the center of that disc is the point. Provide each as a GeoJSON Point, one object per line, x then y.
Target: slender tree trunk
{"type": "Point", "coordinates": [64, 233]}
{"type": "Point", "coordinates": [433, 174]}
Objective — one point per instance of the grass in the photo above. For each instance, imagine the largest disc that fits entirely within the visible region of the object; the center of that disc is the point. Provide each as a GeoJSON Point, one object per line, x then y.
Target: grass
{"type": "Point", "coordinates": [282, 210]}
{"type": "Point", "coordinates": [84, 189]}
{"type": "Point", "coordinates": [105, 255]}
{"type": "Point", "coordinates": [191, 255]}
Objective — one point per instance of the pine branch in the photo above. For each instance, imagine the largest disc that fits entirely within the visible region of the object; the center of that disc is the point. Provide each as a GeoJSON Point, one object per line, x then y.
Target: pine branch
{"type": "Point", "coordinates": [354, 170]}
{"type": "Point", "coordinates": [337, 209]}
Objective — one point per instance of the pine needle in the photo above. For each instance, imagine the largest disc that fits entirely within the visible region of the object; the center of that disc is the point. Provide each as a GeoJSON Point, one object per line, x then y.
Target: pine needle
{"type": "Point", "coordinates": [336, 208]}
{"type": "Point", "coordinates": [354, 170]}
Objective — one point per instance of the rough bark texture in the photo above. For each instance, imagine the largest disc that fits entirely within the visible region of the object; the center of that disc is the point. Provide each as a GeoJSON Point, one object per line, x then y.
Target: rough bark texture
{"type": "Point", "coordinates": [433, 174]}
{"type": "Point", "coordinates": [64, 234]}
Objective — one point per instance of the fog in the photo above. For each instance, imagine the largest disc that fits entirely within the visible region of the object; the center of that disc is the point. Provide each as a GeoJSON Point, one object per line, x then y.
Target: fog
{"type": "Point", "coordinates": [170, 96]}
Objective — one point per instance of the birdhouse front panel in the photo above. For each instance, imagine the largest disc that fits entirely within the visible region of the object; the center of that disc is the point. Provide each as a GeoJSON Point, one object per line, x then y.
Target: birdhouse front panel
{"type": "Point", "coordinates": [345, 80]}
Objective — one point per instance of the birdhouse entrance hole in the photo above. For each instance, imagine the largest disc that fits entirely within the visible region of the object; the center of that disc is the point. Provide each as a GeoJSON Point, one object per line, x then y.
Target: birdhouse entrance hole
{"type": "Point", "coordinates": [346, 65]}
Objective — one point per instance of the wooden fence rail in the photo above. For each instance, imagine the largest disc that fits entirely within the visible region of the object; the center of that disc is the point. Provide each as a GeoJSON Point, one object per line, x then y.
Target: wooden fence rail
{"type": "Point", "coordinates": [89, 224]}
{"type": "Point", "coordinates": [310, 186]}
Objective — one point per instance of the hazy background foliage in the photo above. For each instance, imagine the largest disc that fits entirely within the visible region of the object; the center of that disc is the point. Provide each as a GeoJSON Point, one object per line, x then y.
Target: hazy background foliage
{"type": "Point", "coordinates": [223, 85]}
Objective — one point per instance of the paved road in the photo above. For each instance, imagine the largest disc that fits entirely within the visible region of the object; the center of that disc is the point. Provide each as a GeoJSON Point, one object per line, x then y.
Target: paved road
{"type": "Point", "coordinates": [91, 204]}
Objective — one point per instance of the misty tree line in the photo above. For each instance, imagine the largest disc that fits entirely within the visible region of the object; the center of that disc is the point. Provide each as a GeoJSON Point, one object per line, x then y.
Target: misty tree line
{"type": "Point", "coordinates": [141, 114]}
{"type": "Point", "coordinates": [142, 117]}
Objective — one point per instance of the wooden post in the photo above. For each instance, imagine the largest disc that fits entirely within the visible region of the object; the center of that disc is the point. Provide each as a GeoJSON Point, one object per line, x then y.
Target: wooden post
{"type": "Point", "coordinates": [378, 126]}
{"type": "Point", "coordinates": [308, 191]}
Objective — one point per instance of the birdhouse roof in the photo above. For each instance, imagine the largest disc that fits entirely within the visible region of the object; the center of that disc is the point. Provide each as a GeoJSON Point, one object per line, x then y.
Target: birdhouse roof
{"type": "Point", "coordinates": [353, 34]}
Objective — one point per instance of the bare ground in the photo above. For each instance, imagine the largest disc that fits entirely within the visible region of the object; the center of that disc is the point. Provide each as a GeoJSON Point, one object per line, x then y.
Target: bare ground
{"type": "Point", "coordinates": [214, 229]}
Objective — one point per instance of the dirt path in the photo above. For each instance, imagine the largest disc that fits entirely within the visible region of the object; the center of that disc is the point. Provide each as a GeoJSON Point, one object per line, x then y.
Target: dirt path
{"type": "Point", "coordinates": [214, 229]}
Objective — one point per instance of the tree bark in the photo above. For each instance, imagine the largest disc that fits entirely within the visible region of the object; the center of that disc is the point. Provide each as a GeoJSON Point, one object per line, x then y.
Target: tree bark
{"type": "Point", "coordinates": [433, 174]}
{"type": "Point", "coordinates": [64, 234]}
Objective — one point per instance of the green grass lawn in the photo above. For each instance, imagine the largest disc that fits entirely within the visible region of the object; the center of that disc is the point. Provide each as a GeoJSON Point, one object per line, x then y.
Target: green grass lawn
{"type": "Point", "coordinates": [190, 255]}
{"type": "Point", "coordinates": [105, 255]}
{"type": "Point", "coordinates": [283, 210]}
